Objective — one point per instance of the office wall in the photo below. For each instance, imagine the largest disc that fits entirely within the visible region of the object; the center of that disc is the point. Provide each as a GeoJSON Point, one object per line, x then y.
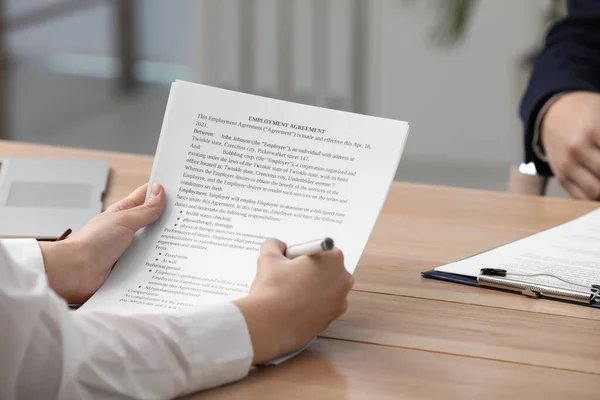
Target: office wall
{"type": "Point", "coordinates": [165, 30]}
{"type": "Point", "coordinates": [461, 102]}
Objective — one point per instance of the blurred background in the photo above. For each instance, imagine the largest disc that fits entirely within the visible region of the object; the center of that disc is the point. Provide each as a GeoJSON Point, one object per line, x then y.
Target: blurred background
{"type": "Point", "coordinates": [96, 73]}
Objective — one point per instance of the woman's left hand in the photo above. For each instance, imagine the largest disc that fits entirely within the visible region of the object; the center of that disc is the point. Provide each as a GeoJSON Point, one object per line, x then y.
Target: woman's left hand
{"type": "Point", "coordinates": [78, 266]}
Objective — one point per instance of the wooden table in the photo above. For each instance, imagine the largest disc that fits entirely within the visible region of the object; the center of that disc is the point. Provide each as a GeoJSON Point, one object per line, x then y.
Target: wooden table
{"type": "Point", "coordinates": [408, 337]}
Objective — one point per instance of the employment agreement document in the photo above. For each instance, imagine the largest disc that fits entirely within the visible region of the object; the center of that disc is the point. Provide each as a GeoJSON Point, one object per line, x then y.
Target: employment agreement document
{"type": "Point", "coordinates": [237, 169]}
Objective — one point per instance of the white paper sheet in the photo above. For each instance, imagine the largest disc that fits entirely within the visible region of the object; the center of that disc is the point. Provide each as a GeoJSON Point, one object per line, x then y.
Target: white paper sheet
{"type": "Point", "coordinates": [237, 169]}
{"type": "Point", "coordinates": [570, 251]}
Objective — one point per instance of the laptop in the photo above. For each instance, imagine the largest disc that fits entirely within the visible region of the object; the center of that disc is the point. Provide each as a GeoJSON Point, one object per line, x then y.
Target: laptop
{"type": "Point", "coordinates": [43, 197]}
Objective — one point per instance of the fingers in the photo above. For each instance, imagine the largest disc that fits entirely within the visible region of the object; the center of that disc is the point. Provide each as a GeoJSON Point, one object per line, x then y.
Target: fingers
{"type": "Point", "coordinates": [579, 170]}
{"type": "Point", "coordinates": [334, 257]}
{"type": "Point", "coordinates": [594, 132]}
{"type": "Point", "coordinates": [574, 190]}
{"type": "Point", "coordinates": [144, 213]}
{"type": "Point", "coordinates": [589, 158]}
{"type": "Point", "coordinates": [134, 199]}
{"type": "Point", "coordinates": [350, 281]}
{"type": "Point", "coordinates": [272, 247]}
{"type": "Point", "coordinates": [581, 183]}
{"type": "Point", "coordinates": [331, 262]}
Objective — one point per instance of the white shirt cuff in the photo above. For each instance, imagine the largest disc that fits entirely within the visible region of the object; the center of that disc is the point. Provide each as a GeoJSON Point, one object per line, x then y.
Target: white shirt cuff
{"type": "Point", "coordinates": [536, 144]}
{"type": "Point", "coordinates": [24, 253]}
{"type": "Point", "coordinates": [217, 344]}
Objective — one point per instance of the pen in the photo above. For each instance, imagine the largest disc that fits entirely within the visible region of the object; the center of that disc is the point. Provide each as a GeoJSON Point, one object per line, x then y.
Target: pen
{"type": "Point", "coordinates": [303, 249]}
{"type": "Point", "coordinates": [309, 248]}
{"type": "Point", "coordinates": [64, 235]}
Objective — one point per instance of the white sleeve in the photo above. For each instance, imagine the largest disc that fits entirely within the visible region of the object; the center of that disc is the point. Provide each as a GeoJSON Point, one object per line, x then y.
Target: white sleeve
{"type": "Point", "coordinates": [48, 351]}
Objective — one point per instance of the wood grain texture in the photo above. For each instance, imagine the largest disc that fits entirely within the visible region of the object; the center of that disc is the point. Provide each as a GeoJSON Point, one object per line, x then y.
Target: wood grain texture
{"type": "Point", "coordinates": [409, 337]}
{"type": "Point", "coordinates": [382, 272]}
{"type": "Point", "coordinates": [423, 227]}
{"type": "Point", "coordinates": [334, 369]}
{"type": "Point", "coordinates": [491, 333]}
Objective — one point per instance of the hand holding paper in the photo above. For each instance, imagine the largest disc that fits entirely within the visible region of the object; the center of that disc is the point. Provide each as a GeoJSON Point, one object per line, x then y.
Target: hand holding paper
{"type": "Point", "coordinates": [238, 169]}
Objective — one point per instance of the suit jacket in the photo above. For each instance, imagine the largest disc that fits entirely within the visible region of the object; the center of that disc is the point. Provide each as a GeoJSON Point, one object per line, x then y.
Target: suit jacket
{"type": "Point", "coordinates": [570, 60]}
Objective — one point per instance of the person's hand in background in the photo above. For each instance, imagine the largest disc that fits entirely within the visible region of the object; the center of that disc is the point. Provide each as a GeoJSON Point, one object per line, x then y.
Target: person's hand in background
{"type": "Point", "coordinates": [78, 266]}
{"type": "Point", "coordinates": [570, 134]}
{"type": "Point", "coordinates": [292, 301]}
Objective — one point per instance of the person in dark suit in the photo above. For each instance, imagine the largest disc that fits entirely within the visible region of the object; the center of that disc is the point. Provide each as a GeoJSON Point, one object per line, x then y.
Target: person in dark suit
{"type": "Point", "coordinates": [561, 107]}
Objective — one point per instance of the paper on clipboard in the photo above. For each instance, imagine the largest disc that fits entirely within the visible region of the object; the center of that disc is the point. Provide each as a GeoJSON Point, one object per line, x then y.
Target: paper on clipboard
{"type": "Point", "coordinates": [570, 251]}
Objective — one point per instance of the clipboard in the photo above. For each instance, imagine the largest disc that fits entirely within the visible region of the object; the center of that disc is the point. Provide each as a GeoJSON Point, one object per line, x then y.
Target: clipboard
{"type": "Point", "coordinates": [561, 263]}
{"type": "Point", "coordinates": [519, 287]}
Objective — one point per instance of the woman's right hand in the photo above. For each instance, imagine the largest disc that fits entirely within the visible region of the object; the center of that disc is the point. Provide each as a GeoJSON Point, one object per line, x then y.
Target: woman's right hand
{"type": "Point", "coordinates": [292, 301]}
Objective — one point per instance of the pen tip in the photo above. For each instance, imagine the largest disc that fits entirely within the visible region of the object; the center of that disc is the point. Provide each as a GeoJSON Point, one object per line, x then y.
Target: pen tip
{"type": "Point", "coordinates": [328, 244]}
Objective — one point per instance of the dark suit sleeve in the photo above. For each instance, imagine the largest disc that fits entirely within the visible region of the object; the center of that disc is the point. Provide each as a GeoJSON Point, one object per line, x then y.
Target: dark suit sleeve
{"type": "Point", "coordinates": [569, 61]}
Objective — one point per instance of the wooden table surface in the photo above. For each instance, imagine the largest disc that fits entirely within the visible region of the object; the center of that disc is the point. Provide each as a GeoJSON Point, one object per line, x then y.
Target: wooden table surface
{"type": "Point", "coordinates": [408, 337]}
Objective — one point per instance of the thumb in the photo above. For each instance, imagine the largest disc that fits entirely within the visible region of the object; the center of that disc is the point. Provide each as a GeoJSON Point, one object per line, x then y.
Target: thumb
{"type": "Point", "coordinates": [143, 215]}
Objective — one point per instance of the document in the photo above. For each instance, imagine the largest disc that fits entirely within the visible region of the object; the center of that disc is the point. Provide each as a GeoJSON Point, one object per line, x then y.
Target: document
{"type": "Point", "coordinates": [568, 252]}
{"type": "Point", "coordinates": [238, 169]}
